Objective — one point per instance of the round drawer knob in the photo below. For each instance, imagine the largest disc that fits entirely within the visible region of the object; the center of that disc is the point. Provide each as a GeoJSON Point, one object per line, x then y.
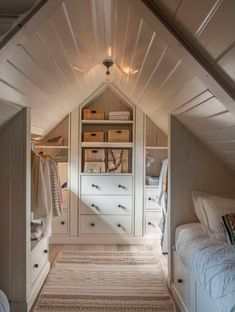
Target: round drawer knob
{"type": "Point", "coordinates": [92, 224]}
{"type": "Point", "coordinates": [62, 222]}
{"type": "Point", "coordinates": [35, 266]}
{"type": "Point", "coordinates": [94, 206]}
{"type": "Point", "coordinates": [119, 225]}
{"type": "Point", "coordinates": [149, 223]}
{"type": "Point", "coordinates": [95, 186]}
{"type": "Point", "coordinates": [45, 251]}
{"type": "Point", "coordinates": [179, 280]}
{"type": "Point", "coordinates": [149, 198]}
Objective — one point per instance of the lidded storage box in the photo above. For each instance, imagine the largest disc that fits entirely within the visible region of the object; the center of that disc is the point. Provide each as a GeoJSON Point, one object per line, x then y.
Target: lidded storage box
{"type": "Point", "coordinates": [93, 136]}
{"type": "Point", "coordinates": [118, 136]}
{"type": "Point", "coordinates": [93, 114]}
{"type": "Point", "coordinates": [120, 115]}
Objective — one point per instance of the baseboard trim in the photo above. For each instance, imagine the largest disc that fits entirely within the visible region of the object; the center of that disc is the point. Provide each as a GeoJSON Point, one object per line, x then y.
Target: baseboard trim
{"type": "Point", "coordinates": [105, 240]}
{"type": "Point", "coordinates": [178, 299]}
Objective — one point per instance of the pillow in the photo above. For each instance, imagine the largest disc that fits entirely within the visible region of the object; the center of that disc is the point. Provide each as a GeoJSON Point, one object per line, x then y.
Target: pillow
{"type": "Point", "coordinates": [209, 210]}
{"type": "Point", "coordinates": [214, 209]}
{"type": "Point", "coordinates": [229, 224]}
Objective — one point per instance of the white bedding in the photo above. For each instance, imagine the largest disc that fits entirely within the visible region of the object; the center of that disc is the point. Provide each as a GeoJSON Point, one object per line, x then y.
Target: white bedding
{"type": "Point", "coordinates": [211, 261]}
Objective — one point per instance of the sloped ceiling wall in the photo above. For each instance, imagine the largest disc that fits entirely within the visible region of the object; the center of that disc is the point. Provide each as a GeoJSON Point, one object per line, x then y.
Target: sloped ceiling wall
{"type": "Point", "coordinates": [38, 67]}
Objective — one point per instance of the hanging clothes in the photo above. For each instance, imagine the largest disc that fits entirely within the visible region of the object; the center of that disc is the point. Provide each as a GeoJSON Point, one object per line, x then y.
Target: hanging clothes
{"type": "Point", "coordinates": [56, 189]}
{"type": "Point", "coordinates": [46, 198]}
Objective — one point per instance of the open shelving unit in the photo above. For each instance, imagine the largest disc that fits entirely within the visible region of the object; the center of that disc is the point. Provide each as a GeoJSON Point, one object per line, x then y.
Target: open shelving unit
{"type": "Point", "coordinates": [109, 147]}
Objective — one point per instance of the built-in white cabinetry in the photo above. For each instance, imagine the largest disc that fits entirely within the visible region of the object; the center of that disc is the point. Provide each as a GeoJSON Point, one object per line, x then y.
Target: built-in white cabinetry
{"type": "Point", "coordinates": [155, 151]}
{"type": "Point", "coordinates": [107, 138]}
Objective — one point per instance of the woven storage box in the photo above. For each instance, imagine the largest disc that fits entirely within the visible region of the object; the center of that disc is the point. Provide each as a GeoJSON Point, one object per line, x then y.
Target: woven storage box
{"type": "Point", "coordinates": [93, 114]}
{"type": "Point", "coordinates": [93, 137]}
{"type": "Point", "coordinates": [94, 155]}
{"type": "Point", "coordinates": [116, 163]}
{"type": "Point", "coordinates": [121, 115]}
{"type": "Point", "coordinates": [118, 135]}
{"type": "Point", "coordinates": [94, 167]}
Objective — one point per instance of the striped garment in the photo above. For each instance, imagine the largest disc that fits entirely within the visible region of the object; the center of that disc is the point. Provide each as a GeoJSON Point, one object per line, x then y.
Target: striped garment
{"type": "Point", "coordinates": [56, 190]}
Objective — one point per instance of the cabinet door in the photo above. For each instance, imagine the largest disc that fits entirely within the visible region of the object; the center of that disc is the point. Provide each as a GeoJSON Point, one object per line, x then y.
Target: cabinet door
{"type": "Point", "coordinates": [106, 185]}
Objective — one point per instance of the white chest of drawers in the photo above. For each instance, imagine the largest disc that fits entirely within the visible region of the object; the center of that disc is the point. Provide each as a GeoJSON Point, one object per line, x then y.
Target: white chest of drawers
{"type": "Point", "coordinates": [106, 205]}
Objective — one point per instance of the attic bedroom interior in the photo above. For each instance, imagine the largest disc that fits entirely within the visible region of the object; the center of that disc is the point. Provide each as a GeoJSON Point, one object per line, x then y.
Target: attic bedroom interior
{"type": "Point", "coordinates": [117, 162]}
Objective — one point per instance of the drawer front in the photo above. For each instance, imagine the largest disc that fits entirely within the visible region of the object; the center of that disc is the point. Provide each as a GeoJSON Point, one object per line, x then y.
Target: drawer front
{"type": "Point", "coordinates": [115, 205]}
{"type": "Point", "coordinates": [60, 225]}
{"type": "Point", "coordinates": [152, 220]}
{"type": "Point", "coordinates": [181, 278]}
{"type": "Point", "coordinates": [105, 225]}
{"type": "Point", "coordinates": [39, 257]}
{"type": "Point", "coordinates": [151, 200]}
{"type": "Point", "coordinates": [106, 185]}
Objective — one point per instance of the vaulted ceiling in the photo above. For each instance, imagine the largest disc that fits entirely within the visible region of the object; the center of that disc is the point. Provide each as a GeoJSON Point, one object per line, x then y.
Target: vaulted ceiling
{"type": "Point", "coordinates": [55, 63]}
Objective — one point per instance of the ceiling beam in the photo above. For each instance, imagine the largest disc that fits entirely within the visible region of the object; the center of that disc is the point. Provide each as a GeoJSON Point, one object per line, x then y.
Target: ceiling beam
{"type": "Point", "coordinates": [189, 55]}
{"type": "Point", "coordinates": [40, 14]}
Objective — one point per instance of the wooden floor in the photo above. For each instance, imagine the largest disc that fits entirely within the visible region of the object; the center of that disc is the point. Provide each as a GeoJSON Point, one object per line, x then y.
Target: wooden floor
{"type": "Point", "coordinates": [56, 249]}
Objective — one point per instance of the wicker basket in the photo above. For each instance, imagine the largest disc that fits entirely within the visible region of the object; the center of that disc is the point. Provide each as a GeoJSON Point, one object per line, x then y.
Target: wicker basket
{"type": "Point", "coordinates": [93, 137]}
{"type": "Point", "coordinates": [94, 155]}
{"type": "Point", "coordinates": [118, 135]}
{"type": "Point", "coordinates": [93, 114]}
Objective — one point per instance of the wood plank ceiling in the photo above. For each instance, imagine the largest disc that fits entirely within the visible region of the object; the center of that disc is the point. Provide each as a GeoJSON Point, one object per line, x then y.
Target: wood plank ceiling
{"type": "Point", "coordinates": [39, 71]}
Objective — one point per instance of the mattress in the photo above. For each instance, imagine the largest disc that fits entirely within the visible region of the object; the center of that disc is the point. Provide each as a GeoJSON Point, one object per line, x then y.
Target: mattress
{"type": "Point", "coordinates": [212, 263]}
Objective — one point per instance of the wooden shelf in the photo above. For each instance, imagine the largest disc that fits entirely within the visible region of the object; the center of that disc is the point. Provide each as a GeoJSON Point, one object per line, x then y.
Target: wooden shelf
{"type": "Point", "coordinates": [108, 144]}
{"type": "Point", "coordinates": [157, 147]}
{"type": "Point", "coordinates": [151, 186]}
{"type": "Point", "coordinates": [107, 122]}
{"type": "Point", "coordinates": [52, 146]}
{"type": "Point", "coordinates": [106, 173]}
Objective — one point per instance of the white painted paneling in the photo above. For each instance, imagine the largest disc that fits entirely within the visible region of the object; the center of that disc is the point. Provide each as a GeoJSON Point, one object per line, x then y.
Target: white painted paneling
{"type": "Point", "coordinates": [38, 69]}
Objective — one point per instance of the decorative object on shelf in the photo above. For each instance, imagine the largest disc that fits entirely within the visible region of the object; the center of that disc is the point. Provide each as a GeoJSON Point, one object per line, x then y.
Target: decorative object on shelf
{"type": "Point", "coordinates": [93, 136]}
{"type": "Point", "coordinates": [149, 160]}
{"type": "Point", "coordinates": [118, 161]}
{"type": "Point", "coordinates": [118, 135]}
{"type": "Point", "coordinates": [94, 155]}
{"type": "Point", "coordinates": [108, 63]}
{"type": "Point", "coordinates": [93, 114]}
{"type": "Point", "coordinates": [94, 167]}
{"type": "Point", "coordinates": [119, 115]}
{"type": "Point", "coordinates": [150, 180]}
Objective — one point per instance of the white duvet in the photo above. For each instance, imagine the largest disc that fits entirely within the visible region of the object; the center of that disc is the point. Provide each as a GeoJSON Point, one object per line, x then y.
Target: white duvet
{"type": "Point", "coordinates": [211, 261]}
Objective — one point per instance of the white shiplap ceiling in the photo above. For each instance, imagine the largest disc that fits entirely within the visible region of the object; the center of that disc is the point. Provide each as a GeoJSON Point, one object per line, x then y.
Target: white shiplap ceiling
{"type": "Point", "coordinates": [37, 65]}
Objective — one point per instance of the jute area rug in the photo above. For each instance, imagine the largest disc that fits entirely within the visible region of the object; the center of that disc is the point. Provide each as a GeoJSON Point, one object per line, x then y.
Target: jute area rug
{"type": "Point", "coordinates": [117, 281]}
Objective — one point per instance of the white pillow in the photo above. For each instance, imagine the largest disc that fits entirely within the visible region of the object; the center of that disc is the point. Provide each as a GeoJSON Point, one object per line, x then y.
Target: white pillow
{"type": "Point", "coordinates": [214, 210]}
{"type": "Point", "coordinates": [209, 210]}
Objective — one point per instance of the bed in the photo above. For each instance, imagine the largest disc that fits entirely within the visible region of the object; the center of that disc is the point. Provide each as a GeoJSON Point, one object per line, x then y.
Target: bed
{"type": "Point", "coordinates": [211, 262]}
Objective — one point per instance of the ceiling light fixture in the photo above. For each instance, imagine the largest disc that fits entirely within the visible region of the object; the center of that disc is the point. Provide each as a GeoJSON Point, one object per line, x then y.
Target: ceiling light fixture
{"type": "Point", "coordinates": [108, 63]}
